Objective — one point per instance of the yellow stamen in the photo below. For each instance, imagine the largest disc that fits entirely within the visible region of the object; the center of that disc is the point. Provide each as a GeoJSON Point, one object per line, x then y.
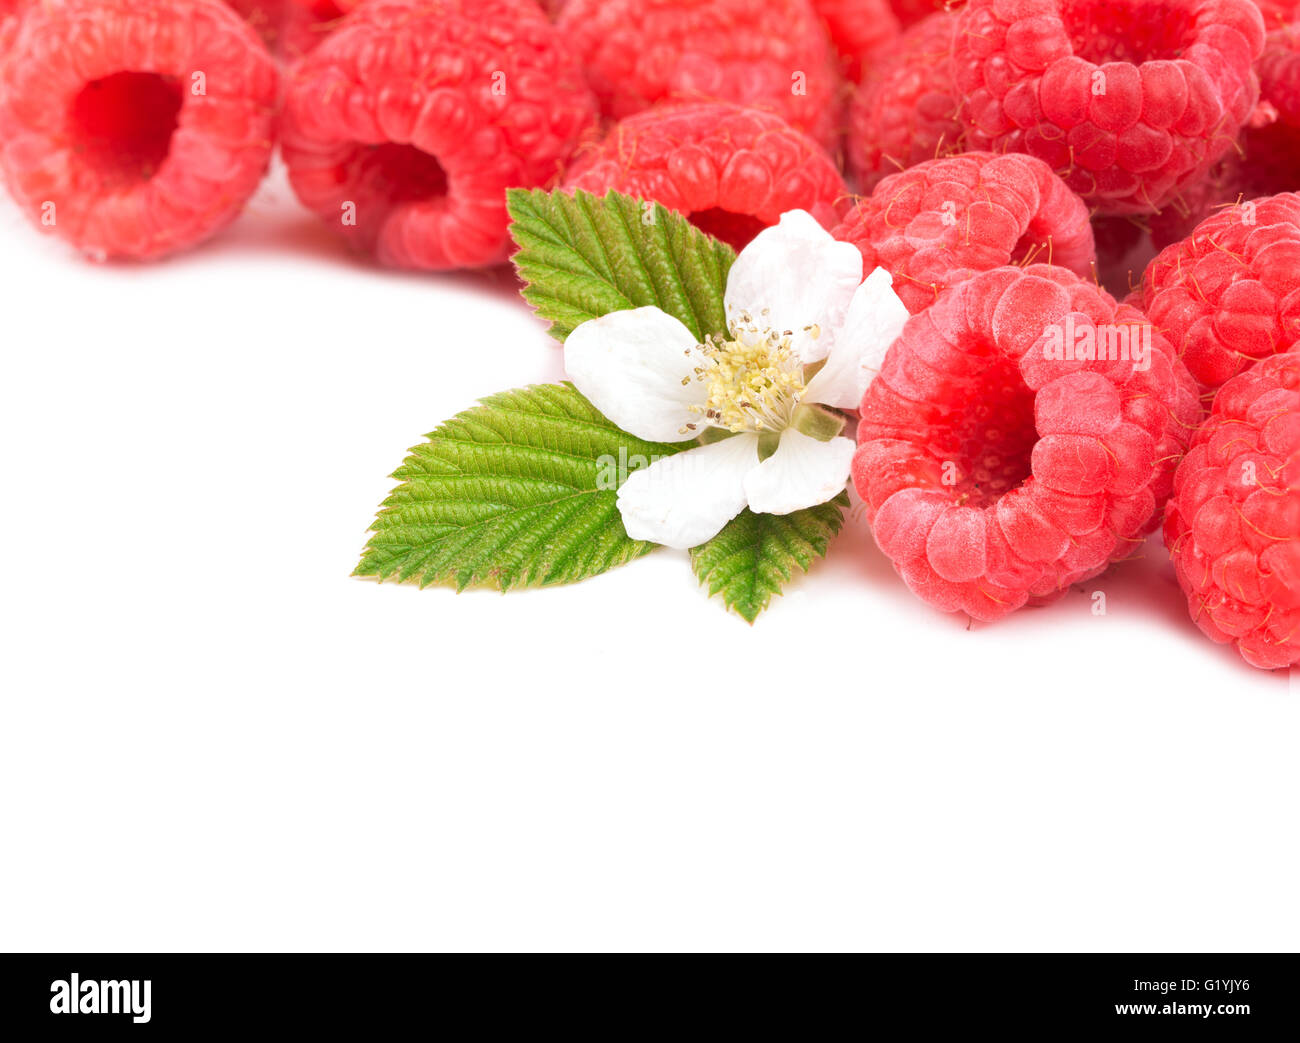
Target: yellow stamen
{"type": "Point", "coordinates": [754, 380]}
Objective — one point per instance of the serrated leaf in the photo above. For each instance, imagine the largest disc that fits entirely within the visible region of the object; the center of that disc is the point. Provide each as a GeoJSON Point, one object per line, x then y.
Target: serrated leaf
{"type": "Point", "coordinates": [756, 554]}
{"type": "Point", "coordinates": [581, 257]}
{"type": "Point", "coordinates": [509, 494]}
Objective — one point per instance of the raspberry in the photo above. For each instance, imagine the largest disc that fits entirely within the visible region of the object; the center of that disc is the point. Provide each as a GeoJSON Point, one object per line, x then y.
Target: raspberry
{"type": "Point", "coordinates": [906, 109]}
{"type": "Point", "coordinates": [135, 128]}
{"type": "Point", "coordinates": [408, 124]}
{"type": "Point", "coordinates": [1233, 524]}
{"type": "Point", "coordinates": [994, 474]}
{"type": "Point", "coordinates": [771, 54]}
{"type": "Point", "coordinates": [1130, 100]}
{"type": "Point", "coordinates": [1229, 294]}
{"type": "Point", "coordinates": [940, 221]}
{"type": "Point", "coordinates": [732, 171]}
{"type": "Point", "coordinates": [857, 28]}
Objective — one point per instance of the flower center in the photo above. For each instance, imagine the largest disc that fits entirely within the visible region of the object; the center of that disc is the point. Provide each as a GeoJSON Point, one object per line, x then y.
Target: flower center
{"type": "Point", "coordinates": [754, 380]}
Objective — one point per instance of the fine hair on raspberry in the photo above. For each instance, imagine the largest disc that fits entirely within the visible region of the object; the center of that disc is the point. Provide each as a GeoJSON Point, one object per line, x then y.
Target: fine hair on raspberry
{"type": "Point", "coordinates": [997, 468]}
{"type": "Point", "coordinates": [733, 171]}
{"type": "Point", "coordinates": [135, 128]}
{"type": "Point", "coordinates": [405, 128]}
{"type": "Point", "coordinates": [941, 220]}
{"type": "Point", "coordinates": [1129, 100]}
{"type": "Point", "coordinates": [1233, 524]}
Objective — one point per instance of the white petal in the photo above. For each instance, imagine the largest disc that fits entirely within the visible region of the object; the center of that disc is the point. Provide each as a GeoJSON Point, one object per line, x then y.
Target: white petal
{"type": "Point", "coordinates": [801, 276]}
{"type": "Point", "coordinates": [803, 472]}
{"type": "Point", "coordinates": [630, 365]}
{"type": "Point", "coordinates": [683, 500]}
{"type": "Point", "coordinates": [875, 320]}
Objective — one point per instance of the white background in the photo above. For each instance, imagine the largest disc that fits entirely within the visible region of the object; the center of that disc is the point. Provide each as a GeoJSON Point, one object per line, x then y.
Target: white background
{"type": "Point", "coordinates": [214, 739]}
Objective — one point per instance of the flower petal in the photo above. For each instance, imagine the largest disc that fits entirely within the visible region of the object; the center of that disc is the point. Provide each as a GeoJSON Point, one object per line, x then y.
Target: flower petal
{"type": "Point", "coordinates": [875, 320]}
{"type": "Point", "coordinates": [791, 277]}
{"type": "Point", "coordinates": [803, 472]}
{"type": "Point", "coordinates": [631, 366]}
{"type": "Point", "coordinates": [683, 500]}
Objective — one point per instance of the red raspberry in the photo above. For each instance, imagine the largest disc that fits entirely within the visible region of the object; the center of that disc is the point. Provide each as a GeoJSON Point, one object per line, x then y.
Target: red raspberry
{"type": "Point", "coordinates": [993, 474]}
{"type": "Point", "coordinates": [857, 28]}
{"type": "Point", "coordinates": [408, 124]}
{"type": "Point", "coordinates": [771, 54]}
{"type": "Point", "coordinates": [733, 171]}
{"type": "Point", "coordinates": [1229, 294]}
{"type": "Point", "coordinates": [1233, 526]}
{"type": "Point", "coordinates": [1130, 100]}
{"type": "Point", "coordinates": [124, 162]}
{"type": "Point", "coordinates": [935, 224]}
{"type": "Point", "coordinates": [906, 109]}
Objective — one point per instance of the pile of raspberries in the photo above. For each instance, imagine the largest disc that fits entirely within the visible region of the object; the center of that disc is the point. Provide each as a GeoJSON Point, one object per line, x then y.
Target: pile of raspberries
{"type": "Point", "coordinates": [1088, 206]}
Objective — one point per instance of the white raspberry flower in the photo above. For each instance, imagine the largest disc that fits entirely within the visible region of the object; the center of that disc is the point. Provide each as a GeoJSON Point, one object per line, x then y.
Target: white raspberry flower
{"type": "Point", "coordinates": [805, 332]}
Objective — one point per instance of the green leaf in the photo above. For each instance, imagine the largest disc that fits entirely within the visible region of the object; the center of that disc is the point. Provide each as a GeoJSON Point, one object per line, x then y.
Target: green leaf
{"type": "Point", "coordinates": [518, 491]}
{"type": "Point", "coordinates": [755, 554]}
{"type": "Point", "coordinates": [581, 257]}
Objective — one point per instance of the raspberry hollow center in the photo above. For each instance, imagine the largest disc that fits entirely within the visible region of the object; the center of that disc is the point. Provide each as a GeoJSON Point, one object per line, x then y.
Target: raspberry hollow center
{"type": "Point", "coordinates": [734, 229]}
{"type": "Point", "coordinates": [122, 125]}
{"type": "Point", "coordinates": [1126, 30]}
{"type": "Point", "coordinates": [992, 438]}
{"type": "Point", "coordinates": [404, 174]}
